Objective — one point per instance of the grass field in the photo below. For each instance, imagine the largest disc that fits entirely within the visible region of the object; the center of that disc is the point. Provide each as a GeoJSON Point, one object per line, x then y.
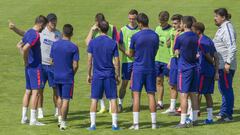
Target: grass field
{"type": "Point", "coordinates": [80, 14]}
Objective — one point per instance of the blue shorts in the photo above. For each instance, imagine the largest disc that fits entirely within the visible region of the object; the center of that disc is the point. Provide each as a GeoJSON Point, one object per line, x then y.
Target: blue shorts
{"type": "Point", "coordinates": [33, 78]}
{"type": "Point", "coordinates": [161, 69]}
{"type": "Point", "coordinates": [107, 85]}
{"type": "Point", "coordinates": [127, 71]}
{"type": "Point", "coordinates": [48, 75]}
{"type": "Point", "coordinates": [140, 79]}
{"type": "Point", "coordinates": [206, 84]}
{"type": "Point", "coordinates": [173, 72]}
{"type": "Point", "coordinates": [65, 91]}
{"type": "Point", "coordinates": [188, 80]}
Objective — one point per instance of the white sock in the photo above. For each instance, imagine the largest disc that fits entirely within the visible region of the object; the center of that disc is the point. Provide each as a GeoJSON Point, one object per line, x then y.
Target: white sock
{"type": "Point", "coordinates": [135, 118]}
{"type": "Point", "coordinates": [40, 110]}
{"type": "Point", "coordinates": [154, 119]}
{"type": "Point", "coordinates": [195, 115]}
{"type": "Point", "coordinates": [102, 104]}
{"type": "Point", "coordinates": [210, 114]}
{"type": "Point", "coordinates": [183, 118]}
{"type": "Point", "coordinates": [173, 104]}
{"type": "Point", "coordinates": [56, 110]}
{"type": "Point", "coordinates": [114, 119]}
{"type": "Point", "coordinates": [190, 115]}
{"type": "Point", "coordinates": [24, 112]}
{"type": "Point", "coordinates": [160, 103]}
{"type": "Point", "coordinates": [189, 106]}
{"type": "Point", "coordinates": [120, 101]}
{"type": "Point", "coordinates": [59, 119]}
{"type": "Point", "coordinates": [33, 115]}
{"type": "Point", "coordinates": [93, 118]}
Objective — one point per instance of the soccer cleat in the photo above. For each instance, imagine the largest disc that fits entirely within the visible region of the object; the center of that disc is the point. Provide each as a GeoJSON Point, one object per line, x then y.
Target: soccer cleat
{"type": "Point", "coordinates": [225, 119]}
{"type": "Point", "coordinates": [63, 126]}
{"type": "Point", "coordinates": [103, 110]}
{"type": "Point", "coordinates": [115, 128]}
{"type": "Point", "coordinates": [120, 108]}
{"type": "Point", "coordinates": [134, 127]}
{"type": "Point", "coordinates": [24, 120]}
{"type": "Point", "coordinates": [36, 123]}
{"type": "Point", "coordinates": [160, 107]}
{"type": "Point", "coordinates": [40, 115]}
{"type": "Point", "coordinates": [181, 126]}
{"type": "Point", "coordinates": [191, 123]}
{"type": "Point", "coordinates": [169, 111]}
{"type": "Point", "coordinates": [207, 122]}
{"type": "Point", "coordinates": [92, 128]}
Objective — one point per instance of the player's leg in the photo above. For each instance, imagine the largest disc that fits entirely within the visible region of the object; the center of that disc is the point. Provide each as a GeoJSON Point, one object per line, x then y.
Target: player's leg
{"type": "Point", "coordinates": [55, 100]}
{"type": "Point", "coordinates": [52, 84]}
{"type": "Point", "coordinates": [160, 91]}
{"type": "Point", "coordinates": [67, 93]}
{"type": "Point", "coordinates": [136, 86]}
{"type": "Point", "coordinates": [35, 84]}
{"type": "Point", "coordinates": [96, 94]}
{"type": "Point", "coordinates": [122, 93]}
{"type": "Point", "coordinates": [209, 102]}
{"type": "Point", "coordinates": [26, 99]}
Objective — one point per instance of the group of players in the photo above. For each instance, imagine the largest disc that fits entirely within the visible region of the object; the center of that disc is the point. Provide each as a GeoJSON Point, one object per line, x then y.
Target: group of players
{"type": "Point", "coordinates": [180, 52]}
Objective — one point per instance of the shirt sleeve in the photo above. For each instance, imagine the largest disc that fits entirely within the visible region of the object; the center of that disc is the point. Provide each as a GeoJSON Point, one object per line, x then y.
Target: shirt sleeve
{"type": "Point", "coordinates": [121, 38]}
{"type": "Point", "coordinates": [229, 40]}
{"type": "Point", "coordinates": [177, 44]}
{"type": "Point", "coordinates": [76, 54]}
{"type": "Point", "coordinates": [132, 44]}
{"type": "Point", "coordinates": [114, 34]}
{"type": "Point", "coordinates": [32, 38]}
{"type": "Point", "coordinates": [116, 54]}
{"type": "Point", "coordinates": [90, 50]}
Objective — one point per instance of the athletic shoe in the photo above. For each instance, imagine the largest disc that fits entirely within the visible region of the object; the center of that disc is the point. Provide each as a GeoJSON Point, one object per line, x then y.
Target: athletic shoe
{"type": "Point", "coordinates": [134, 127]}
{"type": "Point", "coordinates": [115, 128]}
{"type": "Point", "coordinates": [160, 107]}
{"type": "Point", "coordinates": [170, 112]}
{"type": "Point", "coordinates": [181, 126]}
{"type": "Point", "coordinates": [63, 126]}
{"type": "Point", "coordinates": [40, 115]}
{"type": "Point", "coordinates": [103, 110]}
{"type": "Point", "coordinates": [92, 128]}
{"type": "Point", "coordinates": [36, 123]}
{"type": "Point", "coordinates": [24, 120]}
{"type": "Point", "coordinates": [225, 119]}
{"type": "Point", "coordinates": [120, 108]}
{"type": "Point", "coordinates": [191, 123]}
{"type": "Point", "coordinates": [207, 121]}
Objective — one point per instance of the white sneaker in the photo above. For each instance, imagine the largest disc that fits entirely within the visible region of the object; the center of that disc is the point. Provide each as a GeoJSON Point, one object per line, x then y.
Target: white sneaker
{"type": "Point", "coordinates": [63, 126]}
{"type": "Point", "coordinates": [36, 123]}
{"type": "Point", "coordinates": [40, 114]}
{"type": "Point", "coordinates": [24, 120]}
{"type": "Point", "coordinates": [169, 111]}
{"type": "Point", "coordinates": [134, 127]}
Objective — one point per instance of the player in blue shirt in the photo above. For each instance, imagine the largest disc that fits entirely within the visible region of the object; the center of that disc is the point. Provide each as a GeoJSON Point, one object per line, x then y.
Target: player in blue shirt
{"type": "Point", "coordinates": [186, 46]}
{"type": "Point", "coordinates": [65, 57]}
{"type": "Point", "coordinates": [95, 32]}
{"type": "Point", "coordinates": [102, 51]}
{"type": "Point", "coordinates": [144, 46]}
{"type": "Point", "coordinates": [31, 51]}
{"type": "Point", "coordinates": [208, 65]}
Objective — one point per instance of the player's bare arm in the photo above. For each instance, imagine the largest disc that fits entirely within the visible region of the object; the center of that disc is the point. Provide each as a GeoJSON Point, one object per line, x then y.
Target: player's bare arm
{"type": "Point", "coordinates": [89, 77]}
{"type": "Point", "coordinates": [13, 27]}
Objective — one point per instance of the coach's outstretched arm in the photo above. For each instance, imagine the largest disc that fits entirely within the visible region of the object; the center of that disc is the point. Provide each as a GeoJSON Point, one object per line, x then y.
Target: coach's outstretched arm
{"type": "Point", "coordinates": [90, 34]}
{"type": "Point", "coordinates": [13, 27]}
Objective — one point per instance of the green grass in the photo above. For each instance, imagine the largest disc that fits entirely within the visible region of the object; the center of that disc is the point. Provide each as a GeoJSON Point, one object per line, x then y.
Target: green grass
{"type": "Point", "coordinates": [81, 14]}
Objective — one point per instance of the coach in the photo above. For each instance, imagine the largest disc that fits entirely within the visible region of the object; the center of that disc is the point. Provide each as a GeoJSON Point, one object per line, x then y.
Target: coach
{"type": "Point", "coordinates": [225, 44]}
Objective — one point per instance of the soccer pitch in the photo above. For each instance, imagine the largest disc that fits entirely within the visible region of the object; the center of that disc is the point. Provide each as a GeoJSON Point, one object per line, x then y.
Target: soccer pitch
{"type": "Point", "coordinates": [80, 14]}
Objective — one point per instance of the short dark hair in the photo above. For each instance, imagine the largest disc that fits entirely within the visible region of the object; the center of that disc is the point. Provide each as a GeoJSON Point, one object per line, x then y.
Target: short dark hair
{"type": "Point", "coordinates": [41, 20]}
{"type": "Point", "coordinates": [223, 13]}
{"type": "Point", "coordinates": [188, 21]}
{"type": "Point", "coordinates": [176, 17]}
{"type": "Point", "coordinates": [143, 19]}
{"type": "Point", "coordinates": [68, 30]}
{"type": "Point", "coordinates": [133, 12]}
{"type": "Point", "coordinates": [193, 19]}
{"type": "Point", "coordinates": [164, 16]}
{"type": "Point", "coordinates": [199, 26]}
{"type": "Point", "coordinates": [103, 26]}
{"type": "Point", "coordinates": [99, 17]}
